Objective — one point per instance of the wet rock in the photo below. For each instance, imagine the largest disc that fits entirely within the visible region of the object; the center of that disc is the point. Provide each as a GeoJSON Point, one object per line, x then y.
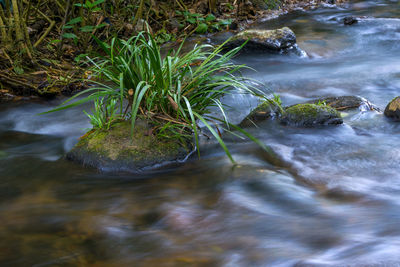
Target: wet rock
{"type": "Point", "coordinates": [392, 110]}
{"type": "Point", "coordinates": [350, 20]}
{"type": "Point", "coordinates": [116, 150]}
{"type": "Point", "coordinates": [275, 40]}
{"type": "Point", "coordinates": [310, 115]}
{"type": "Point", "coordinates": [344, 102]}
{"type": "Point", "coordinates": [262, 112]}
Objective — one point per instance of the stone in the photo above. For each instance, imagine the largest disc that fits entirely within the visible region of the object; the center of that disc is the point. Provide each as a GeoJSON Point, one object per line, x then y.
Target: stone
{"type": "Point", "coordinates": [116, 150]}
{"type": "Point", "coordinates": [350, 20]}
{"type": "Point", "coordinates": [392, 110]}
{"type": "Point", "coordinates": [262, 112]}
{"type": "Point", "coordinates": [342, 102]}
{"type": "Point", "coordinates": [306, 115]}
{"type": "Point", "coordinates": [275, 40]}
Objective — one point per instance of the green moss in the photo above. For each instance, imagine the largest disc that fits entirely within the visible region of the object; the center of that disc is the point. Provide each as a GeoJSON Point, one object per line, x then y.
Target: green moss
{"type": "Point", "coordinates": [263, 107]}
{"type": "Point", "coordinates": [117, 144]}
{"type": "Point", "coordinates": [262, 34]}
{"type": "Point", "coordinates": [262, 112]}
{"type": "Point", "coordinates": [311, 114]}
{"type": "Point", "coordinates": [310, 109]}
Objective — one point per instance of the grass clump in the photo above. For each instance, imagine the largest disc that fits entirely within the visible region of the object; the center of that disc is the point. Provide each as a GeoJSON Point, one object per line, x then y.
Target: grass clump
{"type": "Point", "coordinates": [173, 92]}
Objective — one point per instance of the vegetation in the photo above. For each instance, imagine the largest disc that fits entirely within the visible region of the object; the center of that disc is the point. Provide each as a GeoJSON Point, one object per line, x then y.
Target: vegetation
{"type": "Point", "coordinates": [52, 36]}
{"type": "Point", "coordinates": [173, 92]}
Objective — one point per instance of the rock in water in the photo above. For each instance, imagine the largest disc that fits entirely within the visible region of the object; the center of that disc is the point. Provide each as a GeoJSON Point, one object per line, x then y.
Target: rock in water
{"type": "Point", "coordinates": [275, 40]}
{"type": "Point", "coordinates": [350, 20]}
{"type": "Point", "coordinates": [262, 112]}
{"type": "Point", "coordinates": [392, 110]}
{"type": "Point", "coordinates": [345, 103]}
{"type": "Point", "coordinates": [310, 115]}
{"type": "Point", "coordinates": [117, 150]}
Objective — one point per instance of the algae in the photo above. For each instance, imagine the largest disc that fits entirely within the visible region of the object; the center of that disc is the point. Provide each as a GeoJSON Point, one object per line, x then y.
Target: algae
{"type": "Point", "coordinates": [118, 147]}
{"type": "Point", "coordinates": [310, 114]}
{"type": "Point", "coordinates": [264, 111]}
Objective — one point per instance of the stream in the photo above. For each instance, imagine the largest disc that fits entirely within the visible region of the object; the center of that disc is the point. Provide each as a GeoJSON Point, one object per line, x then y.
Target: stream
{"type": "Point", "coordinates": [336, 202]}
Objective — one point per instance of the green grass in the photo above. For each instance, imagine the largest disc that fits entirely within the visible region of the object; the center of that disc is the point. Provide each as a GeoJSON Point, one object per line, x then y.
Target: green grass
{"type": "Point", "coordinates": [173, 92]}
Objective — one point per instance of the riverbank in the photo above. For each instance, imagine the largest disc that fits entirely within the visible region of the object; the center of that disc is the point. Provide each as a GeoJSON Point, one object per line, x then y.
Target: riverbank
{"type": "Point", "coordinates": [55, 68]}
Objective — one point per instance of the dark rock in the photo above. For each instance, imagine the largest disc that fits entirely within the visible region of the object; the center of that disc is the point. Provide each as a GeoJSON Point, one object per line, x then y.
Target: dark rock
{"type": "Point", "coordinates": [117, 150]}
{"type": "Point", "coordinates": [331, 2]}
{"type": "Point", "coordinates": [275, 40]}
{"type": "Point", "coordinates": [342, 102]}
{"type": "Point", "coordinates": [350, 20]}
{"type": "Point", "coordinates": [392, 110]}
{"type": "Point", "coordinates": [262, 112]}
{"type": "Point", "coordinates": [310, 115]}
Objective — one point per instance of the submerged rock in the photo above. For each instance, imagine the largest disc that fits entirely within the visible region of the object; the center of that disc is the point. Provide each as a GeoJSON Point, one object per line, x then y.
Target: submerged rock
{"type": "Point", "coordinates": [392, 110]}
{"type": "Point", "coordinates": [262, 112]}
{"type": "Point", "coordinates": [350, 20]}
{"type": "Point", "coordinates": [310, 115]}
{"type": "Point", "coordinates": [116, 150]}
{"type": "Point", "coordinates": [275, 40]}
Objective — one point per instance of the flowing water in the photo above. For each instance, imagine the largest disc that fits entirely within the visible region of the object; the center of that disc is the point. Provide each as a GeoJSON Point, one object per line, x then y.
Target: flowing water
{"type": "Point", "coordinates": [336, 202]}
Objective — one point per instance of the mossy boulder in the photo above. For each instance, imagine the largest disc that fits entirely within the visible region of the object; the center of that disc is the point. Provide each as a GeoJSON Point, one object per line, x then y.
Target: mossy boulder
{"type": "Point", "coordinates": [343, 102]}
{"type": "Point", "coordinates": [392, 110]}
{"type": "Point", "coordinates": [310, 115]}
{"type": "Point", "coordinates": [274, 40]}
{"type": "Point", "coordinates": [117, 150]}
{"type": "Point", "coordinates": [262, 112]}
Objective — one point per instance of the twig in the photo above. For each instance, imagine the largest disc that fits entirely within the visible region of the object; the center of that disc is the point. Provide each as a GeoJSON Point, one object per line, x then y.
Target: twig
{"type": "Point", "coordinates": [62, 28]}
{"type": "Point", "coordinates": [12, 81]}
{"type": "Point", "coordinates": [7, 56]}
{"type": "Point", "coordinates": [45, 34]}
